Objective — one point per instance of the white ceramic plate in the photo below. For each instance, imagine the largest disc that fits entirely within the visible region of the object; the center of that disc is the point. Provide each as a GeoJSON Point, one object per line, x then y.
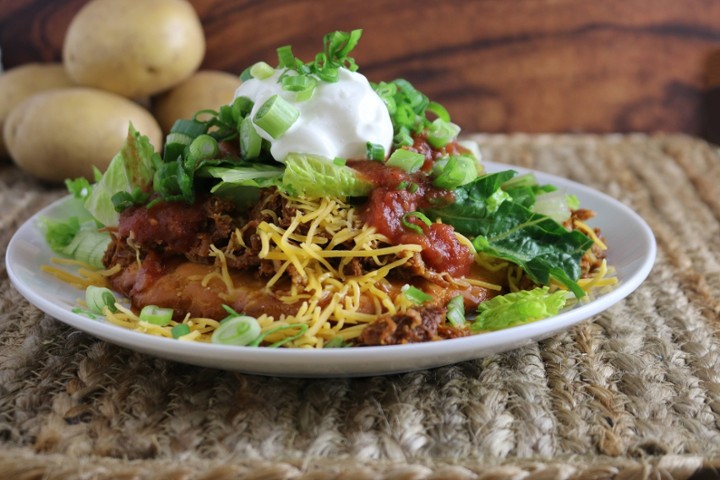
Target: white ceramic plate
{"type": "Point", "coordinates": [632, 253]}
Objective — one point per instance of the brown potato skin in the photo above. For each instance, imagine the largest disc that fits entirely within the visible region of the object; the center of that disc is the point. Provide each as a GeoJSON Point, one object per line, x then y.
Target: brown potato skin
{"type": "Point", "coordinates": [134, 48]}
{"type": "Point", "coordinates": [63, 133]}
{"type": "Point", "coordinates": [23, 81]}
{"type": "Point", "coordinates": [205, 89]}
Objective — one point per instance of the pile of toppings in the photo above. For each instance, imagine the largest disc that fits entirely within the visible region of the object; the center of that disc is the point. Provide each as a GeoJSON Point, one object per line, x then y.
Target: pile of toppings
{"type": "Point", "coordinates": [318, 209]}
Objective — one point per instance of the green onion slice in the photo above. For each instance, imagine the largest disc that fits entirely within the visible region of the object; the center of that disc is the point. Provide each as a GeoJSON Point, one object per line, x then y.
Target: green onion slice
{"type": "Point", "coordinates": [406, 160]}
{"type": "Point", "coordinates": [97, 298]}
{"type": "Point", "coordinates": [300, 326]}
{"type": "Point", "coordinates": [440, 111]}
{"type": "Point", "coordinates": [191, 128]}
{"type": "Point", "coordinates": [238, 330]}
{"type": "Point", "coordinates": [441, 132]}
{"type": "Point", "coordinates": [456, 311]}
{"type": "Point", "coordinates": [261, 71]}
{"type": "Point", "coordinates": [204, 147]}
{"type": "Point", "coordinates": [276, 116]}
{"type": "Point", "coordinates": [156, 315]}
{"type": "Point", "coordinates": [250, 140]}
{"type": "Point", "coordinates": [375, 152]}
{"type": "Point", "coordinates": [412, 226]}
{"type": "Point", "coordinates": [415, 295]}
{"type": "Point", "coordinates": [286, 57]}
{"type": "Point", "coordinates": [180, 330]}
{"type": "Point", "coordinates": [175, 144]}
{"type": "Point", "coordinates": [302, 85]}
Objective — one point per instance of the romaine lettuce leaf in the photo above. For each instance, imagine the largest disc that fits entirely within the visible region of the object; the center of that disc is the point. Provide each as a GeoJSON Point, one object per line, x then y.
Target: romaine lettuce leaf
{"type": "Point", "coordinates": [518, 308]}
{"type": "Point", "coordinates": [133, 166]}
{"type": "Point", "coordinates": [75, 238]}
{"type": "Point", "coordinates": [314, 176]}
{"type": "Point", "coordinates": [246, 175]}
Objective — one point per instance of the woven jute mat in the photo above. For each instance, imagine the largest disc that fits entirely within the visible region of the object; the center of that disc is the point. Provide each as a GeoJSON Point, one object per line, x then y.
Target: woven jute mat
{"type": "Point", "coordinates": [632, 393]}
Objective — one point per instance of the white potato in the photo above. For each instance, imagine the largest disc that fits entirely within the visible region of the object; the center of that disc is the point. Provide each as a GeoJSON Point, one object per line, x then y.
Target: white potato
{"type": "Point", "coordinates": [63, 133]}
{"type": "Point", "coordinates": [134, 48]}
{"type": "Point", "coordinates": [20, 82]}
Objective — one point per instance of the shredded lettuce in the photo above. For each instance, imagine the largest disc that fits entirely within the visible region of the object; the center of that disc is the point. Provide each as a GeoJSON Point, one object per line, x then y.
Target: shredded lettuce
{"type": "Point", "coordinates": [131, 168]}
{"type": "Point", "coordinates": [518, 308]}
{"type": "Point", "coordinates": [76, 239]}
{"type": "Point", "coordinates": [59, 233]}
{"type": "Point", "coordinates": [314, 176]}
{"type": "Point", "coordinates": [246, 175]}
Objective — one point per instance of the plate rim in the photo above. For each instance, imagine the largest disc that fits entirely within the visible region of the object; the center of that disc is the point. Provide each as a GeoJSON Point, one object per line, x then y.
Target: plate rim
{"type": "Point", "coordinates": [361, 361]}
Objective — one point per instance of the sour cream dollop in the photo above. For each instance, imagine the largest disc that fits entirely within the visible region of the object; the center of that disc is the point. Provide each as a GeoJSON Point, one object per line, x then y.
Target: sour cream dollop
{"type": "Point", "coordinates": [337, 121]}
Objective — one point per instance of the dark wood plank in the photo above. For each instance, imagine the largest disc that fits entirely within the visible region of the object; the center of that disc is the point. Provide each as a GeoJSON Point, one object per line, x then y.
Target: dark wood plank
{"type": "Point", "coordinates": [527, 65]}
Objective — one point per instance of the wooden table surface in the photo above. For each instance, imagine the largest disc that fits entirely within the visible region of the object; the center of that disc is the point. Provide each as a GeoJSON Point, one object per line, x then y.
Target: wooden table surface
{"type": "Point", "coordinates": [522, 66]}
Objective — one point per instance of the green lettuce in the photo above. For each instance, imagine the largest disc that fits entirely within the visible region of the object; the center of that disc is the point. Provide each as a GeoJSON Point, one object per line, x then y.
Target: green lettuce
{"type": "Point", "coordinates": [77, 239]}
{"type": "Point", "coordinates": [132, 168]}
{"type": "Point", "coordinates": [314, 176]}
{"type": "Point", "coordinates": [505, 228]}
{"type": "Point", "coordinates": [518, 308]}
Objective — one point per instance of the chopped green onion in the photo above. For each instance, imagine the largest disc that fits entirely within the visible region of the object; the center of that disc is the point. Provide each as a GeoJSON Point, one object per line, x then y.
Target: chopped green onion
{"type": "Point", "coordinates": [440, 133]}
{"type": "Point", "coordinates": [246, 75]}
{"type": "Point", "coordinates": [175, 144]}
{"type": "Point", "coordinates": [301, 326]}
{"type": "Point", "coordinates": [250, 140]}
{"type": "Point", "coordinates": [97, 298]}
{"type": "Point", "coordinates": [180, 330]}
{"type": "Point", "coordinates": [340, 162]}
{"type": "Point", "coordinates": [302, 85]}
{"type": "Point", "coordinates": [286, 57]}
{"type": "Point", "coordinates": [412, 226]}
{"type": "Point", "coordinates": [406, 160]}
{"type": "Point", "coordinates": [204, 147]}
{"type": "Point", "coordinates": [403, 138]}
{"type": "Point", "coordinates": [336, 342]}
{"type": "Point", "coordinates": [415, 295]}
{"type": "Point", "coordinates": [261, 71]}
{"type": "Point", "coordinates": [459, 170]}
{"type": "Point", "coordinates": [87, 313]}
{"type": "Point", "coordinates": [413, 187]}
{"type": "Point", "coordinates": [456, 311]}
{"type": "Point", "coordinates": [402, 185]}
{"type": "Point", "coordinates": [276, 116]}
{"type": "Point", "coordinates": [191, 128]}
{"type": "Point", "coordinates": [238, 330]}
{"type": "Point", "coordinates": [440, 111]}
{"type": "Point", "coordinates": [123, 200]}
{"type": "Point", "coordinates": [375, 152]}
{"type": "Point", "coordinates": [156, 315]}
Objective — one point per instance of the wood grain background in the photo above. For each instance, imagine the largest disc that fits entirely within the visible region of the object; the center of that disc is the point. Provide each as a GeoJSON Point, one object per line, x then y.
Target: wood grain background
{"type": "Point", "coordinates": [499, 66]}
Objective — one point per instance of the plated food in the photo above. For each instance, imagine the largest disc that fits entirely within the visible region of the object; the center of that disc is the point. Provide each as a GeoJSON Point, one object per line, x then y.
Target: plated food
{"type": "Point", "coordinates": [319, 210]}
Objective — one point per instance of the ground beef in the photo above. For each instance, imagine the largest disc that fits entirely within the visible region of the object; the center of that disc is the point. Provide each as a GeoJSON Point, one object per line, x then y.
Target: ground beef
{"type": "Point", "coordinates": [179, 228]}
{"type": "Point", "coordinates": [416, 325]}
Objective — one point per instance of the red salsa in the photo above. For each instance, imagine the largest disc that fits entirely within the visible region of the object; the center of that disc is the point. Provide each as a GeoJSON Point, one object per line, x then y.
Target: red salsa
{"type": "Point", "coordinates": [398, 193]}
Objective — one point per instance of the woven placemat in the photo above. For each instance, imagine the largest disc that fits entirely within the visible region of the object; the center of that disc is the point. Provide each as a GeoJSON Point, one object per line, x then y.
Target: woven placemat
{"type": "Point", "coordinates": [634, 393]}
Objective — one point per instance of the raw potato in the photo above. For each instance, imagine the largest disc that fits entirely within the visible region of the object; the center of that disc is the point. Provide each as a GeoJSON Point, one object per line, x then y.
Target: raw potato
{"type": "Point", "coordinates": [19, 83]}
{"type": "Point", "coordinates": [134, 48]}
{"type": "Point", "coordinates": [206, 89]}
{"type": "Point", "coordinates": [63, 133]}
